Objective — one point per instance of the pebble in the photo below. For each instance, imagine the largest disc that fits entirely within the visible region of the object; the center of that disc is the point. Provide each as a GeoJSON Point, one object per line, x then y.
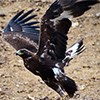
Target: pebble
{"type": "Point", "coordinates": [20, 61]}
{"type": "Point", "coordinates": [2, 14]}
{"type": "Point", "coordinates": [82, 87]}
{"type": "Point", "coordinates": [1, 92]}
{"type": "Point", "coordinates": [45, 98]}
{"type": "Point", "coordinates": [0, 89]}
{"type": "Point", "coordinates": [97, 15]}
{"type": "Point", "coordinates": [2, 60]}
{"type": "Point", "coordinates": [75, 24]}
{"type": "Point", "coordinates": [42, 82]}
{"type": "Point", "coordinates": [29, 97]}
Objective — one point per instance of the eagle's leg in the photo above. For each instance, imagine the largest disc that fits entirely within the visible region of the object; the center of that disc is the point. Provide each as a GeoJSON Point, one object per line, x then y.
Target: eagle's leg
{"type": "Point", "coordinates": [55, 86]}
{"type": "Point", "coordinates": [63, 94]}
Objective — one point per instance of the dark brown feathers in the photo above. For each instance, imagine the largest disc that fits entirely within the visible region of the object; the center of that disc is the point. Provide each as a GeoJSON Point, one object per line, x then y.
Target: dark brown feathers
{"type": "Point", "coordinates": [51, 55]}
{"type": "Point", "coordinates": [68, 8]}
{"type": "Point", "coordinates": [77, 7]}
{"type": "Point", "coordinates": [21, 32]}
{"type": "Point", "coordinates": [55, 23]}
{"type": "Point", "coordinates": [56, 34]}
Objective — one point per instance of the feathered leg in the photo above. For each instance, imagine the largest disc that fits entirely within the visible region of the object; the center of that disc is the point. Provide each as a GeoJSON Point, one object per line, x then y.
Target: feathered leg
{"type": "Point", "coordinates": [64, 83]}
{"type": "Point", "coordinates": [56, 86]}
{"type": "Point", "coordinates": [69, 85]}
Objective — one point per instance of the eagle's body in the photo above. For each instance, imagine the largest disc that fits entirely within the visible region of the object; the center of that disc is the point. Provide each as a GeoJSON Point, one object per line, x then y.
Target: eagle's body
{"type": "Point", "coordinates": [47, 55]}
{"type": "Point", "coordinates": [52, 73]}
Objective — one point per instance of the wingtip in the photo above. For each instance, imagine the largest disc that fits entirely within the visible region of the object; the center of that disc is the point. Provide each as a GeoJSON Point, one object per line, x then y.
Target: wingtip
{"type": "Point", "coordinates": [80, 40]}
{"type": "Point", "coordinates": [31, 10]}
{"type": "Point", "coordinates": [81, 46]}
{"type": "Point", "coordinates": [98, 1]}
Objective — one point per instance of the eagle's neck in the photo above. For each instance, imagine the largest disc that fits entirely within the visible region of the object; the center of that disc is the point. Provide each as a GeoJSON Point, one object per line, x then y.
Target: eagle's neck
{"type": "Point", "coordinates": [32, 64]}
{"type": "Point", "coordinates": [33, 60]}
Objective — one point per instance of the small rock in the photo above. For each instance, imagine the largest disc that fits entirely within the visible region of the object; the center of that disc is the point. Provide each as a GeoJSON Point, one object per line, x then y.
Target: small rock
{"type": "Point", "coordinates": [86, 66]}
{"type": "Point", "coordinates": [20, 61]}
{"type": "Point", "coordinates": [2, 60]}
{"type": "Point", "coordinates": [2, 14]}
{"type": "Point", "coordinates": [30, 97]}
{"type": "Point", "coordinates": [97, 15]}
{"type": "Point", "coordinates": [1, 92]}
{"type": "Point", "coordinates": [77, 95]}
{"type": "Point", "coordinates": [45, 98]}
{"type": "Point", "coordinates": [75, 24]}
{"type": "Point", "coordinates": [0, 89]}
{"type": "Point", "coordinates": [17, 85]}
{"type": "Point", "coordinates": [42, 82]}
{"type": "Point", "coordinates": [82, 87]}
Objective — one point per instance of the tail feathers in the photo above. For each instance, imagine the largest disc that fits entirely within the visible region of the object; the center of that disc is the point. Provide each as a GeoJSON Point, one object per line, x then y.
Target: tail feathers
{"type": "Point", "coordinates": [69, 86]}
{"type": "Point", "coordinates": [75, 49]}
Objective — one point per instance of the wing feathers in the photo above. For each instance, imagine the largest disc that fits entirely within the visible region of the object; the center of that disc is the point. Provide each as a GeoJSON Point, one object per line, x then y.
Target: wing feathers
{"type": "Point", "coordinates": [19, 20]}
{"type": "Point", "coordinates": [19, 42]}
{"type": "Point", "coordinates": [23, 16]}
{"type": "Point", "coordinates": [76, 7]}
{"type": "Point", "coordinates": [69, 85]}
{"type": "Point", "coordinates": [19, 25]}
{"type": "Point", "coordinates": [17, 15]}
{"type": "Point", "coordinates": [74, 50]}
{"type": "Point", "coordinates": [27, 19]}
{"type": "Point", "coordinates": [55, 23]}
{"type": "Point", "coordinates": [68, 8]}
{"type": "Point", "coordinates": [56, 34]}
{"type": "Point", "coordinates": [30, 23]}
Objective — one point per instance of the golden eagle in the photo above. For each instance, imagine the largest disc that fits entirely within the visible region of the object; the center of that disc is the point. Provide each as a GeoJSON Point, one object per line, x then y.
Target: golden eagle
{"type": "Point", "coordinates": [43, 49]}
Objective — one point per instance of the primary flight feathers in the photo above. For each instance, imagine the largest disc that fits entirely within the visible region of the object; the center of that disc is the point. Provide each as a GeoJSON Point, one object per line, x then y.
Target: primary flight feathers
{"type": "Point", "coordinates": [21, 32]}
{"type": "Point", "coordinates": [43, 49]}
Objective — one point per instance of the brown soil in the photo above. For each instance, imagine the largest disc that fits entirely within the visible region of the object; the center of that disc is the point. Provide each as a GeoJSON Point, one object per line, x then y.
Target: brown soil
{"type": "Point", "coordinates": [17, 83]}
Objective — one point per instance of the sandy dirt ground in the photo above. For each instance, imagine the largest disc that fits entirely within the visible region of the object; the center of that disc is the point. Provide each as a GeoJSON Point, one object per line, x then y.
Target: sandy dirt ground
{"type": "Point", "coordinates": [17, 83]}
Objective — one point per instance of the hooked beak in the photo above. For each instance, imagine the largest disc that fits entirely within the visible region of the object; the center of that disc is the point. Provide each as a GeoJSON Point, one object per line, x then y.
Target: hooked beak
{"type": "Point", "coordinates": [19, 52]}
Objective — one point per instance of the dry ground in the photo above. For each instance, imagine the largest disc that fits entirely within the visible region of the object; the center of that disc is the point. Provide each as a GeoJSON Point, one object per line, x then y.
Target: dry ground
{"type": "Point", "coordinates": [17, 83]}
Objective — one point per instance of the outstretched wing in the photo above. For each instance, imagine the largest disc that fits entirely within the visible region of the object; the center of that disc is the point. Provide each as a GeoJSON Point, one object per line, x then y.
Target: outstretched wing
{"type": "Point", "coordinates": [55, 35]}
{"type": "Point", "coordinates": [72, 51]}
{"type": "Point", "coordinates": [21, 32]}
{"type": "Point", "coordinates": [69, 8]}
{"type": "Point", "coordinates": [76, 7]}
{"type": "Point", "coordinates": [55, 25]}
{"type": "Point", "coordinates": [75, 49]}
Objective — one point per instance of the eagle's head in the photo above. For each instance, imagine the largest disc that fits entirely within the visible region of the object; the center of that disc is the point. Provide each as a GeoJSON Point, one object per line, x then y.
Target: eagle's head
{"type": "Point", "coordinates": [24, 53]}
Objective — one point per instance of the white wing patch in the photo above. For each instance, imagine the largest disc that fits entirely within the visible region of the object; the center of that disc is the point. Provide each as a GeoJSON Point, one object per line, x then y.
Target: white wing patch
{"type": "Point", "coordinates": [72, 51]}
{"type": "Point", "coordinates": [11, 29]}
{"type": "Point", "coordinates": [57, 65]}
{"type": "Point", "coordinates": [42, 55]}
{"type": "Point", "coordinates": [74, 48]}
{"type": "Point", "coordinates": [56, 71]}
